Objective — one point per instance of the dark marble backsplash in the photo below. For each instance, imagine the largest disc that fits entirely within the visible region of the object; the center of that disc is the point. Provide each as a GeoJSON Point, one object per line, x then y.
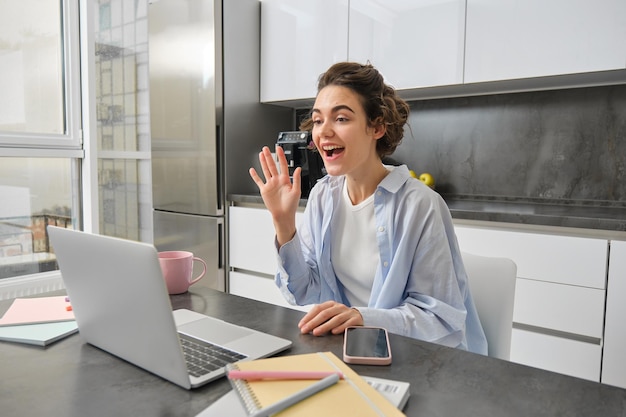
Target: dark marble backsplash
{"type": "Point", "coordinates": [560, 145]}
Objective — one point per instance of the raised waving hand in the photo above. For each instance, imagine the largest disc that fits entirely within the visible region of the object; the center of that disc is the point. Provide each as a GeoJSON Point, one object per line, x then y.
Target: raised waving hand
{"type": "Point", "coordinates": [280, 195]}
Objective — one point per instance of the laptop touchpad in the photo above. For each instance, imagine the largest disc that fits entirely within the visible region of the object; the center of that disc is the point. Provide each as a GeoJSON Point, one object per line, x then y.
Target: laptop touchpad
{"type": "Point", "coordinates": [214, 331]}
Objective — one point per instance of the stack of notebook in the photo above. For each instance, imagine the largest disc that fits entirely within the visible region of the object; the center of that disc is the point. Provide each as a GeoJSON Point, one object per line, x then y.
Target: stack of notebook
{"type": "Point", "coordinates": [38, 321]}
{"type": "Point", "coordinates": [351, 395]}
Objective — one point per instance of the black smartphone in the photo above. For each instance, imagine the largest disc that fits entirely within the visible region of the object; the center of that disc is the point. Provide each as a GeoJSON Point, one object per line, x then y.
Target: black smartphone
{"type": "Point", "coordinates": [366, 345]}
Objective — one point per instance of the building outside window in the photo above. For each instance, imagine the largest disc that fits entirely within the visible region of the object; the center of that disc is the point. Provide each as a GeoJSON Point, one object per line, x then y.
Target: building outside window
{"type": "Point", "coordinates": [74, 130]}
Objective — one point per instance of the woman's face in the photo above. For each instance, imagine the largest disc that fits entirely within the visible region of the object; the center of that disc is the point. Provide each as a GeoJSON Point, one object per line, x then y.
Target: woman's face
{"type": "Point", "coordinates": [342, 134]}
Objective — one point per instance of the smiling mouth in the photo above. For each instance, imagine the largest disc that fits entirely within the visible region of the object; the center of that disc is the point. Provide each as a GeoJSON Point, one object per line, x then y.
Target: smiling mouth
{"type": "Point", "coordinates": [331, 150]}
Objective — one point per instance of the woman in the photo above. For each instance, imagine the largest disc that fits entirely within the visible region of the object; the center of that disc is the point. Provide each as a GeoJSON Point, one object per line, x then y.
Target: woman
{"type": "Point", "coordinates": [376, 247]}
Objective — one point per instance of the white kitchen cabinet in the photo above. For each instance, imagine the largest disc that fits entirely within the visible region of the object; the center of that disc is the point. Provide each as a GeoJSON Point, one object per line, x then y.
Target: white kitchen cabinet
{"type": "Point", "coordinates": [511, 39]}
{"type": "Point", "coordinates": [430, 49]}
{"type": "Point", "coordinates": [252, 257]}
{"type": "Point", "coordinates": [614, 361]}
{"type": "Point", "coordinates": [558, 307]}
{"type": "Point", "coordinates": [299, 41]}
{"type": "Point", "coordinates": [546, 257]}
{"type": "Point", "coordinates": [557, 354]}
{"type": "Point", "coordinates": [413, 43]}
{"type": "Point", "coordinates": [251, 240]}
{"type": "Point", "coordinates": [558, 316]}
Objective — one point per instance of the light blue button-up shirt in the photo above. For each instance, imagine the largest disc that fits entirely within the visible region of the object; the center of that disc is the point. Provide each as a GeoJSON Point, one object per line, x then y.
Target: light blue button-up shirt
{"type": "Point", "coordinates": [420, 287]}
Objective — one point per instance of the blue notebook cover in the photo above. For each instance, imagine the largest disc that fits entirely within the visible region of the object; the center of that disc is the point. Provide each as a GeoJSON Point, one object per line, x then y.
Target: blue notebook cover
{"type": "Point", "coordinates": [38, 334]}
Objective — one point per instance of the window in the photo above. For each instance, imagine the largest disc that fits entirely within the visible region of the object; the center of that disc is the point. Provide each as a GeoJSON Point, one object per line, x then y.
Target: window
{"type": "Point", "coordinates": [74, 127]}
{"type": "Point", "coordinates": [40, 143]}
{"type": "Point", "coordinates": [31, 64]}
{"type": "Point", "coordinates": [122, 107]}
{"type": "Point", "coordinates": [30, 202]}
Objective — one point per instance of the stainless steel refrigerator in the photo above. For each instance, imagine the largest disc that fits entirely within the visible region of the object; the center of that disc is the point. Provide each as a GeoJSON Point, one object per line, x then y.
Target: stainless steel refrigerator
{"type": "Point", "coordinates": [206, 120]}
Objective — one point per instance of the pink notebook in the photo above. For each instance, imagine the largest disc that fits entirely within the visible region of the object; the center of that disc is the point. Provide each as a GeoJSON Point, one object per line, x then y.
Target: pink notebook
{"type": "Point", "coordinates": [37, 310]}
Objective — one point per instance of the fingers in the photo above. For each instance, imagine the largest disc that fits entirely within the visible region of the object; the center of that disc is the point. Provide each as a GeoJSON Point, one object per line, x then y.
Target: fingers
{"type": "Point", "coordinates": [273, 179]}
{"type": "Point", "coordinates": [271, 162]}
{"type": "Point", "coordinates": [311, 314]}
{"type": "Point", "coordinates": [329, 317]}
{"type": "Point", "coordinates": [268, 166]}
{"type": "Point", "coordinates": [255, 177]}
{"type": "Point", "coordinates": [282, 160]}
{"type": "Point", "coordinates": [297, 179]}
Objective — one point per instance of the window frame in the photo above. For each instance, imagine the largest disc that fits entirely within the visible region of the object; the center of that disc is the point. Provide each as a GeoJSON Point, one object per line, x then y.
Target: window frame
{"type": "Point", "coordinates": [32, 144]}
{"type": "Point", "coordinates": [79, 142]}
{"type": "Point", "coordinates": [76, 141]}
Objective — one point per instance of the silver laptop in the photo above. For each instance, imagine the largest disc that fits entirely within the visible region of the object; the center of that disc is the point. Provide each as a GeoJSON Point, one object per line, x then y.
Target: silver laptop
{"type": "Point", "coordinates": [121, 305]}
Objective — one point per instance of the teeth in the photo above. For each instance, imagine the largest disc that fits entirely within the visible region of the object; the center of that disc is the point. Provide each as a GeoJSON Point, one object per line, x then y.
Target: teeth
{"type": "Point", "coordinates": [331, 147]}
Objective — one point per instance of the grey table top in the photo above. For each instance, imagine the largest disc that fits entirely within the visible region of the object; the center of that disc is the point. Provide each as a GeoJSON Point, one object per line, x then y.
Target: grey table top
{"type": "Point", "coordinates": [72, 378]}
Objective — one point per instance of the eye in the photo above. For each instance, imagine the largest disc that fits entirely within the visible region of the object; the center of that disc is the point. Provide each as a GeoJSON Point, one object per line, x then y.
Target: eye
{"type": "Point", "coordinates": [317, 121]}
{"type": "Point", "coordinates": [342, 119]}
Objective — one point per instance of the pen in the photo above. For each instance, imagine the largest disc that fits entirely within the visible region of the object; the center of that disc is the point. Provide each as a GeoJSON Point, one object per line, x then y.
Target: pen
{"type": "Point", "coordinates": [297, 397]}
{"type": "Point", "coordinates": [259, 375]}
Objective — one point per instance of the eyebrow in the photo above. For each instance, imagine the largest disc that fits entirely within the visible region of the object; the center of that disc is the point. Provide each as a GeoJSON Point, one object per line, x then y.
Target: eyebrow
{"type": "Point", "coordinates": [335, 109]}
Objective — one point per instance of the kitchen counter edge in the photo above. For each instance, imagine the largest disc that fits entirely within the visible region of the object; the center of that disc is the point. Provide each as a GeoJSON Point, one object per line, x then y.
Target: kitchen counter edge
{"type": "Point", "coordinates": [608, 223]}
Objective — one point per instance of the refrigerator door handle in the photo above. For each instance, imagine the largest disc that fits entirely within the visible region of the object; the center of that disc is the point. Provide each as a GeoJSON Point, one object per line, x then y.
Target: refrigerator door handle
{"type": "Point", "coordinates": [220, 246]}
{"type": "Point", "coordinates": [219, 155]}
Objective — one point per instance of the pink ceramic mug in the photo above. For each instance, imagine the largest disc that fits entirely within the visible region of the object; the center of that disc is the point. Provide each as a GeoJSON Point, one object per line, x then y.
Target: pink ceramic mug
{"type": "Point", "coordinates": [177, 268]}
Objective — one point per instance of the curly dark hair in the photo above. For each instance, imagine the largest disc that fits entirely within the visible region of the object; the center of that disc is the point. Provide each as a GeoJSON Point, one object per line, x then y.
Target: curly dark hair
{"type": "Point", "coordinates": [380, 101]}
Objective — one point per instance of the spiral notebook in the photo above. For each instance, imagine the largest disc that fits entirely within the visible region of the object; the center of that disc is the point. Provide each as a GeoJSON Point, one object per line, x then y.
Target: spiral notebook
{"type": "Point", "coordinates": [351, 396]}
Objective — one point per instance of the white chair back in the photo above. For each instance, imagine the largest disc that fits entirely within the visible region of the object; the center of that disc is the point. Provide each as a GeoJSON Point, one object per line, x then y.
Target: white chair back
{"type": "Point", "coordinates": [492, 284]}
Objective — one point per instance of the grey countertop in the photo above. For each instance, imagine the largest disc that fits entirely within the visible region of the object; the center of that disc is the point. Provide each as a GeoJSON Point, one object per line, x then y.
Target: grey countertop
{"type": "Point", "coordinates": [608, 219]}
{"type": "Point", "coordinates": [574, 214]}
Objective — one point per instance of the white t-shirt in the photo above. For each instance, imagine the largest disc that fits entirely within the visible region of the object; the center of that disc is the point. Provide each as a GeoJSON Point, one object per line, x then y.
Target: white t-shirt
{"type": "Point", "coordinates": [354, 250]}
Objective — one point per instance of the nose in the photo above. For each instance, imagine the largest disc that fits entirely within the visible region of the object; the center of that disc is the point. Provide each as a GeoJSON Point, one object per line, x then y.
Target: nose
{"type": "Point", "coordinates": [324, 129]}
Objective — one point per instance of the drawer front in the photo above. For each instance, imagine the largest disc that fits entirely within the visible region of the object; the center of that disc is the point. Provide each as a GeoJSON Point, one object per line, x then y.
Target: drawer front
{"type": "Point", "coordinates": [565, 356]}
{"type": "Point", "coordinates": [565, 308]}
{"type": "Point", "coordinates": [562, 259]}
{"type": "Point", "coordinates": [614, 365]}
{"type": "Point", "coordinates": [252, 240]}
{"type": "Point", "coordinates": [258, 288]}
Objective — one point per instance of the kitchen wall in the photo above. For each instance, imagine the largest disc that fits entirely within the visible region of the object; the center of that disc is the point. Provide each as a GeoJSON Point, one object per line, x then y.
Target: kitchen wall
{"type": "Point", "coordinates": [555, 145]}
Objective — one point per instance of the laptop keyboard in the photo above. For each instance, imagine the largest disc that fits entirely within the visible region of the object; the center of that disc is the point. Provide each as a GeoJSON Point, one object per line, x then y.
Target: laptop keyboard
{"type": "Point", "coordinates": [204, 357]}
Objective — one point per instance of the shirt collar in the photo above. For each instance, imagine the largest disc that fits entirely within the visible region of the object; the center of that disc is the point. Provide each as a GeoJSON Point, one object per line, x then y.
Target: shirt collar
{"type": "Point", "coordinates": [398, 175]}
{"type": "Point", "coordinates": [396, 178]}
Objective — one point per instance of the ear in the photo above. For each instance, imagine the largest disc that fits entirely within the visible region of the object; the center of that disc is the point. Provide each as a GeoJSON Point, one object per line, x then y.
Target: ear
{"type": "Point", "coordinates": [379, 129]}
